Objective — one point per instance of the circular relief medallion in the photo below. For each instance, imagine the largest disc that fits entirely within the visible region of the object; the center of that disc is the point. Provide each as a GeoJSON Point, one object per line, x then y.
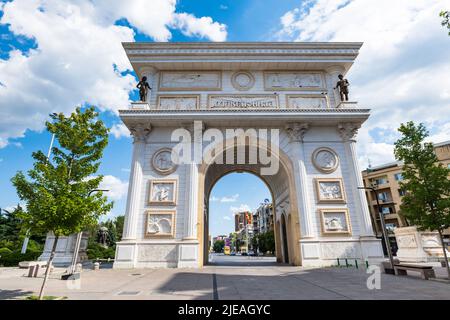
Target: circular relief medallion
{"type": "Point", "coordinates": [325, 160]}
{"type": "Point", "coordinates": [243, 80]}
{"type": "Point", "coordinates": [162, 161]}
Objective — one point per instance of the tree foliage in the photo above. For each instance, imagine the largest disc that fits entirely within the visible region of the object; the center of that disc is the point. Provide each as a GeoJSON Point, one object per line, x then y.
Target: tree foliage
{"type": "Point", "coordinates": [57, 191]}
{"type": "Point", "coordinates": [445, 15]}
{"type": "Point", "coordinates": [426, 181]}
{"type": "Point", "coordinates": [218, 246]}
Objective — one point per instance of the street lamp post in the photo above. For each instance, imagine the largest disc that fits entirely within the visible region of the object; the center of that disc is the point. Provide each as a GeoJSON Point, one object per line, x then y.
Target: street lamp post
{"type": "Point", "coordinates": [27, 235]}
{"type": "Point", "coordinates": [383, 226]}
{"type": "Point", "coordinates": [73, 264]}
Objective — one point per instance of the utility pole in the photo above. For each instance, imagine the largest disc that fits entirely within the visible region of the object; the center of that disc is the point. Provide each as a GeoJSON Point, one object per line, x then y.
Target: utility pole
{"type": "Point", "coordinates": [383, 226]}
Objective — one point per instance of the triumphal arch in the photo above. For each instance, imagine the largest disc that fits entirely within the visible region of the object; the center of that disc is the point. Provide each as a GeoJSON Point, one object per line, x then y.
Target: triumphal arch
{"type": "Point", "coordinates": [272, 109]}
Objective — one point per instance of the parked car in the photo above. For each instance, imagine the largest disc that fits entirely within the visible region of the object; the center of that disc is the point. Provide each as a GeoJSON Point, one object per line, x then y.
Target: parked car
{"type": "Point", "coordinates": [244, 254]}
{"type": "Point", "coordinates": [232, 253]}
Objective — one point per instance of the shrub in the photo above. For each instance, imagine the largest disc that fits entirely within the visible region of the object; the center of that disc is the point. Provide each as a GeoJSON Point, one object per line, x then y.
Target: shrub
{"type": "Point", "coordinates": [96, 250]}
{"type": "Point", "coordinates": [13, 258]}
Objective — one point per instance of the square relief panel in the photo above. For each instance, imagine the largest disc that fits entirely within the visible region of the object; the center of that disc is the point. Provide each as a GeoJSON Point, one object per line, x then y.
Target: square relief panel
{"type": "Point", "coordinates": [160, 223]}
{"type": "Point", "coordinates": [330, 190]}
{"type": "Point", "coordinates": [335, 221]}
{"type": "Point", "coordinates": [163, 192]}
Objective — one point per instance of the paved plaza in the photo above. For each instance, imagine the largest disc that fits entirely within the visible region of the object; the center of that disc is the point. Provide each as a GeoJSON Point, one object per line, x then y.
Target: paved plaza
{"type": "Point", "coordinates": [226, 278]}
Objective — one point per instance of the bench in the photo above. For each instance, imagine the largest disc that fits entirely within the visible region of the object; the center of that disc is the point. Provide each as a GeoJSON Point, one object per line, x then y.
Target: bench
{"type": "Point", "coordinates": [426, 271]}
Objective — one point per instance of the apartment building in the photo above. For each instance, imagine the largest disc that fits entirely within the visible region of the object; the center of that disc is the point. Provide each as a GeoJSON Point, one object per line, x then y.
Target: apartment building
{"type": "Point", "coordinates": [387, 178]}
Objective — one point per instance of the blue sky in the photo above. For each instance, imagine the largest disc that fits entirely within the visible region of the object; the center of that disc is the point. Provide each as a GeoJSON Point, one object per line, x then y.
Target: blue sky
{"type": "Point", "coordinates": [56, 54]}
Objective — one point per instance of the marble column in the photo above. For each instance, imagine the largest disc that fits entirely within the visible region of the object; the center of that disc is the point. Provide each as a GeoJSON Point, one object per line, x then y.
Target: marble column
{"type": "Point", "coordinates": [140, 134]}
{"type": "Point", "coordinates": [192, 187]}
{"type": "Point", "coordinates": [296, 132]}
{"type": "Point", "coordinates": [348, 132]}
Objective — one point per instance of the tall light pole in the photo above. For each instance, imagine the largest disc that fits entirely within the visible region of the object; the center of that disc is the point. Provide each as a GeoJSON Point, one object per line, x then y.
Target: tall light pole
{"type": "Point", "coordinates": [383, 226]}
{"type": "Point", "coordinates": [27, 235]}
{"type": "Point", "coordinates": [73, 264]}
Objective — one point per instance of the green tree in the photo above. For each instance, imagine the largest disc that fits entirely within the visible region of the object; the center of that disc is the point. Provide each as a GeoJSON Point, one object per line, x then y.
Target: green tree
{"type": "Point", "coordinates": [119, 221]}
{"type": "Point", "coordinates": [426, 182]}
{"type": "Point", "coordinates": [57, 191]}
{"type": "Point", "coordinates": [218, 246]}
{"type": "Point", "coordinates": [445, 15]}
{"type": "Point", "coordinates": [11, 224]}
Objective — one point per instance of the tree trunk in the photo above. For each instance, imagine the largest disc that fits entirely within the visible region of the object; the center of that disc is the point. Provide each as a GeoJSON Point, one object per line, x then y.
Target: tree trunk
{"type": "Point", "coordinates": [445, 254]}
{"type": "Point", "coordinates": [49, 265]}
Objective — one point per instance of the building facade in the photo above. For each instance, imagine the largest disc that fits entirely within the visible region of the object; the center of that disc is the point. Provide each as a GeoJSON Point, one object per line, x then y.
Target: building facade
{"type": "Point", "coordinates": [279, 101]}
{"type": "Point", "coordinates": [387, 180]}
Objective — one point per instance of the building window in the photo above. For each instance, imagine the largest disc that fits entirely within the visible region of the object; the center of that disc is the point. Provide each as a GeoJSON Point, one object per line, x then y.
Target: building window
{"type": "Point", "coordinates": [384, 196]}
{"type": "Point", "coordinates": [401, 192]}
{"type": "Point", "coordinates": [398, 177]}
{"type": "Point", "coordinates": [387, 210]}
{"type": "Point", "coordinates": [448, 165]}
{"type": "Point", "coordinates": [380, 180]}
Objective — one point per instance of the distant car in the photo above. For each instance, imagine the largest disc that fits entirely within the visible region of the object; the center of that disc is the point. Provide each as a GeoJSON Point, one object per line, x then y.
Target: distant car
{"type": "Point", "coordinates": [244, 254]}
{"type": "Point", "coordinates": [233, 253]}
{"type": "Point", "coordinates": [251, 253]}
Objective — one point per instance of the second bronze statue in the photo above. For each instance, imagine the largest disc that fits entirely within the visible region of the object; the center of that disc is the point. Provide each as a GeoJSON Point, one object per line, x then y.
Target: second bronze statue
{"type": "Point", "coordinates": [143, 87]}
{"type": "Point", "coordinates": [343, 85]}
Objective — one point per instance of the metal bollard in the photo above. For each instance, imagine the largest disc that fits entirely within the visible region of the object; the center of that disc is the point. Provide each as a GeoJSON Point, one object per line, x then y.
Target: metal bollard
{"type": "Point", "coordinates": [367, 264]}
{"type": "Point", "coordinates": [346, 262]}
{"type": "Point", "coordinates": [339, 263]}
{"type": "Point", "coordinates": [96, 266]}
{"type": "Point", "coordinates": [356, 264]}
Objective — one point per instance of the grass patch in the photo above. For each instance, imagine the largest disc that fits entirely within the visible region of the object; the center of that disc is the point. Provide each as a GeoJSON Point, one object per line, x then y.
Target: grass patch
{"type": "Point", "coordinates": [45, 298]}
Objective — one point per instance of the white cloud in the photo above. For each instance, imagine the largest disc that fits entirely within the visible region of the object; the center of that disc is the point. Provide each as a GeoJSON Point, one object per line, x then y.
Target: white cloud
{"type": "Point", "coordinates": [125, 170]}
{"type": "Point", "coordinates": [227, 218]}
{"type": "Point", "coordinates": [241, 208]}
{"type": "Point", "coordinates": [223, 7]}
{"type": "Point", "coordinates": [120, 130]}
{"type": "Point", "coordinates": [78, 56]}
{"type": "Point", "coordinates": [232, 198]}
{"type": "Point", "coordinates": [117, 188]}
{"type": "Point", "coordinates": [225, 199]}
{"type": "Point", "coordinates": [214, 199]}
{"type": "Point", "coordinates": [203, 27]}
{"type": "Point", "coordinates": [403, 67]}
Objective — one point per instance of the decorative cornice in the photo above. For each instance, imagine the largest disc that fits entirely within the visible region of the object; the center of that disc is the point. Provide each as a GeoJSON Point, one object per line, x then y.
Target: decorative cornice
{"type": "Point", "coordinates": [297, 131]}
{"type": "Point", "coordinates": [204, 110]}
{"type": "Point", "coordinates": [348, 130]}
{"type": "Point", "coordinates": [140, 132]}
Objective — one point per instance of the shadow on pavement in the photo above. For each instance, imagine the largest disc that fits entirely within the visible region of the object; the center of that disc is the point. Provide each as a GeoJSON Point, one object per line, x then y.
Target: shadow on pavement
{"type": "Point", "coordinates": [14, 294]}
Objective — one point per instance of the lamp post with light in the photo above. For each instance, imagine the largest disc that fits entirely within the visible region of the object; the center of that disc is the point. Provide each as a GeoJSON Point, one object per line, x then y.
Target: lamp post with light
{"type": "Point", "coordinates": [383, 226]}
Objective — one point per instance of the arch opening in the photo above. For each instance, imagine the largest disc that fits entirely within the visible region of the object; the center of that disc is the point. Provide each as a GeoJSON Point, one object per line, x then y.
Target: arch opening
{"type": "Point", "coordinates": [281, 188]}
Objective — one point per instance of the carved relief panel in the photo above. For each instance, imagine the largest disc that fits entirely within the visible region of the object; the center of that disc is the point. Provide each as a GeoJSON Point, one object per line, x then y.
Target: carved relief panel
{"type": "Point", "coordinates": [306, 102]}
{"type": "Point", "coordinates": [190, 80]}
{"type": "Point", "coordinates": [178, 102]}
{"type": "Point", "coordinates": [294, 81]}
{"type": "Point", "coordinates": [330, 191]}
{"type": "Point", "coordinates": [160, 223]}
{"type": "Point", "coordinates": [163, 192]}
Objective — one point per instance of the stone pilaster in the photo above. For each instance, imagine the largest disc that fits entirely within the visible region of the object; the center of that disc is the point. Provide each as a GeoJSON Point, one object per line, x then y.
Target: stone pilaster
{"type": "Point", "coordinates": [140, 133]}
{"type": "Point", "coordinates": [192, 184]}
{"type": "Point", "coordinates": [348, 132]}
{"type": "Point", "coordinates": [296, 132]}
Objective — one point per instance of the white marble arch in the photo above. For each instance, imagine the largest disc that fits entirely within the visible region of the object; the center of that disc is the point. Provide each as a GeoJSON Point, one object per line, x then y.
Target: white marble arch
{"type": "Point", "coordinates": [301, 132]}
